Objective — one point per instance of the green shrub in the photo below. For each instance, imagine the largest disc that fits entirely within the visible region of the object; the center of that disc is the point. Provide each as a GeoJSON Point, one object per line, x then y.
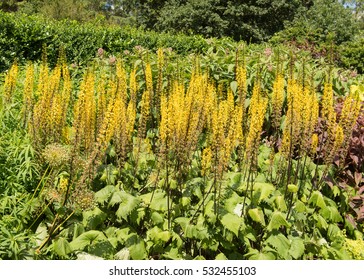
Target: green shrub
{"type": "Point", "coordinates": [22, 38]}
{"type": "Point", "coordinates": [352, 55]}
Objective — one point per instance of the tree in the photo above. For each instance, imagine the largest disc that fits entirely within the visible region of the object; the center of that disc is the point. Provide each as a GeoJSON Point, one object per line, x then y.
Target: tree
{"type": "Point", "coordinates": [325, 18]}
{"type": "Point", "coordinates": [9, 5]}
{"type": "Point", "coordinates": [193, 17]}
{"type": "Point", "coordinates": [250, 20]}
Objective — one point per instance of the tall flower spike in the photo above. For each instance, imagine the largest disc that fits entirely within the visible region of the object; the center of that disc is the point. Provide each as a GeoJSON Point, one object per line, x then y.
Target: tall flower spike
{"type": "Point", "coordinates": [10, 82]}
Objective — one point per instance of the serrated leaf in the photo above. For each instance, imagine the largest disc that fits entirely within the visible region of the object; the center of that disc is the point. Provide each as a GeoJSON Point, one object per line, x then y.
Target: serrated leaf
{"type": "Point", "coordinates": [317, 200]}
{"type": "Point", "coordinates": [321, 222]}
{"type": "Point", "coordinates": [300, 207]}
{"type": "Point", "coordinates": [257, 215]}
{"type": "Point", "coordinates": [280, 203]}
{"type": "Point", "coordinates": [116, 198]}
{"type": "Point", "coordinates": [277, 220]}
{"type": "Point", "coordinates": [156, 201]}
{"type": "Point", "coordinates": [209, 212]}
{"type": "Point", "coordinates": [185, 201]}
{"type": "Point", "coordinates": [297, 248]}
{"type": "Point", "coordinates": [280, 243]}
{"type": "Point", "coordinates": [232, 201]}
{"type": "Point", "coordinates": [262, 191]}
{"type": "Point", "coordinates": [93, 218]}
{"type": "Point", "coordinates": [185, 224]}
{"type": "Point", "coordinates": [158, 236]}
{"type": "Point", "coordinates": [157, 218]}
{"type": "Point", "coordinates": [127, 204]}
{"type": "Point", "coordinates": [87, 238]}
{"type": "Point", "coordinates": [232, 222]}
{"type": "Point", "coordinates": [104, 194]}
{"type": "Point", "coordinates": [332, 231]}
{"type": "Point", "coordinates": [200, 232]}
{"type": "Point", "coordinates": [62, 247]}
{"type": "Point", "coordinates": [102, 249]}
{"type": "Point", "coordinates": [331, 214]}
{"type": "Point", "coordinates": [136, 247]}
{"type": "Point", "coordinates": [123, 234]}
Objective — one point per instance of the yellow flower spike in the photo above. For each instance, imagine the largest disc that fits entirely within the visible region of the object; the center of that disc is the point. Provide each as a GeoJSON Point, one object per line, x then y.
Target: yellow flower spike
{"type": "Point", "coordinates": [314, 143]}
{"type": "Point", "coordinates": [133, 85]}
{"type": "Point", "coordinates": [327, 101]}
{"type": "Point", "coordinates": [10, 82]}
{"type": "Point", "coordinates": [121, 81]}
{"type": "Point", "coordinates": [241, 75]}
{"type": "Point", "coordinates": [206, 161]}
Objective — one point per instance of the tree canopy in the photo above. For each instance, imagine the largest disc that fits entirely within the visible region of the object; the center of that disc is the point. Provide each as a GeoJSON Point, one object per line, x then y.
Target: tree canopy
{"type": "Point", "coordinates": [249, 20]}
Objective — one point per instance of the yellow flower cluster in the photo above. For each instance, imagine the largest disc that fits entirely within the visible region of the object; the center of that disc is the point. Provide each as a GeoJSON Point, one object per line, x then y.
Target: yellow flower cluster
{"type": "Point", "coordinates": [256, 114]}
{"type": "Point", "coordinates": [85, 115]}
{"type": "Point", "coordinates": [301, 118]}
{"type": "Point", "coordinates": [355, 247]}
{"type": "Point", "coordinates": [10, 82]}
{"type": "Point", "coordinates": [182, 117]}
{"type": "Point", "coordinates": [350, 113]}
{"type": "Point", "coordinates": [48, 117]}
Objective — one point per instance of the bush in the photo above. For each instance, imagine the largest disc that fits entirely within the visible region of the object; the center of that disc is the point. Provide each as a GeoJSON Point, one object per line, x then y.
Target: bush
{"type": "Point", "coordinates": [22, 37]}
{"type": "Point", "coordinates": [352, 55]}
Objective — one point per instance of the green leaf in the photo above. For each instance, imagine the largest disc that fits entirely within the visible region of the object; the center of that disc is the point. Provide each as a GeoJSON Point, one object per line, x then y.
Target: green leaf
{"type": "Point", "coordinates": [297, 247]}
{"type": "Point", "coordinates": [280, 203]}
{"type": "Point", "coordinates": [123, 234]}
{"type": "Point", "coordinates": [102, 249]}
{"type": "Point", "coordinates": [93, 218]}
{"type": "Point", "coordinates": [86, 239]}
{"type": "Point", "coordinates": [292, 188]}
{"type": "Point", "coordinates": [136, 247]}
{"type": "Point", "coordinates": [281, 244]}
{"type": "Point", "coordinates": [127, 204]}
{"type": "Point", "coordinates": [262, 191]}
{"type": "Point", "coordinates": [209, 212]}
{"type": "Point", "coordinates": [234, 86]}
{"type": "Point", "coordinates": [104, 194]}
{"type": "Point", "coordinates": [116, 198]}
{"type": "Point", "coordinates": [123, 254]}
{"type": "Point", "coordinates": [317, 200]}
{"type": "Point", "coordinates": [277, 220]}
{"type": "Point", "coordinates": [158, 236]}
{"type": "Point", "coordinates": [257, 215]}
{"type": "Point", "coordinates": [156, 201]}
{"type": "Point", "coordinates": [221, 257]}
{"type": "Point", "coordinates": [62, 247]}
{"type": "Point", "coordinates": [333, 231]}
{"type": "Point", "coordinates": [232, 201]}
{"type": "Point", "coordinates": [254, 254]}
{"type": "Point", "coordinates": [186, 226]}
{"type": "Point", "coordinates": [300, 206]}
{"type": "Point", "coordinates": [232, 222]}
{"type": "Point", "coordinates": [321, 222]}
{"type": "Point", "coordinates": [157, 218]}
{"type": "Point", "coordinates": [41, 233]}
{"type": "Point", "coordinates": [331, 214]}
